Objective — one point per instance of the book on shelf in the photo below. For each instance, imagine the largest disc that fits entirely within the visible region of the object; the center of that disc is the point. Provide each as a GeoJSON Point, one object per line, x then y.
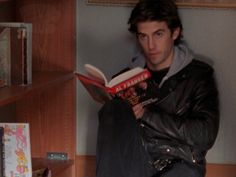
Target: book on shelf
{"type": "Point", "coordinates": [1, 152]}
{"type": "Point", "coordinates": [5, 64]}
{"type": "Point", "coordinates": [130, 85]}
{"type": "Point", "coordinates": [17, 154]}
{"type": "Point", "coordinates": [15, 53]}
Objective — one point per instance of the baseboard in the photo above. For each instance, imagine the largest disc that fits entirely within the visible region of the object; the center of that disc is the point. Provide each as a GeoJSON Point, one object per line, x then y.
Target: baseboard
{"type": "Point", "coordinates": [86, 167]}
{"type": "Point", "coordinates": [221, 170]}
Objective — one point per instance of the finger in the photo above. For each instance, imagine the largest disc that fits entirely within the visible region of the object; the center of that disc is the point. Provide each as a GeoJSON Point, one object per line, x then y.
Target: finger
{"type": "Point", "coordinates": [138, 111]}
{"type": "Point", "coordinates": [140, 114]}
{"type": "Point", "coordinates": [143, 85]}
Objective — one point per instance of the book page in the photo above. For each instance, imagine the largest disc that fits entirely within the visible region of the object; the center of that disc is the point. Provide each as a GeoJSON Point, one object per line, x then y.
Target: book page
{"type": "Point", "coordinates": [124, 76]}
{"type": "Point", "coordinates": [96, 73]}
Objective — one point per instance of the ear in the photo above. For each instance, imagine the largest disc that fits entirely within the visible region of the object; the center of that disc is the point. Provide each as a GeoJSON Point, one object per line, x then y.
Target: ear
{"type": "Point", "coordinates": [176, 33]}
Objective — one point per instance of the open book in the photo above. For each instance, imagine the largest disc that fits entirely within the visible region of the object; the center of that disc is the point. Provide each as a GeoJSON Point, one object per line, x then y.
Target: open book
{"type": "Point", "coordinates": [130, 85]}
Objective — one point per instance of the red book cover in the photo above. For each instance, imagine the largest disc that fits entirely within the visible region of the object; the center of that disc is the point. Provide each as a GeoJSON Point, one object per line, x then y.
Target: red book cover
{"type": "Point", "coordinates": [97, 90]}
{"type": "Point", "coordinates": [142, 76]}
{"type": "Point", "coordinates": [130, 85]}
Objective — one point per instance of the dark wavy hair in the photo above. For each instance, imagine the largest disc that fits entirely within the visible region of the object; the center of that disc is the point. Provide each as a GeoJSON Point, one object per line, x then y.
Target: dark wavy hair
{"type": "Point", "coordinates": [156, 10]}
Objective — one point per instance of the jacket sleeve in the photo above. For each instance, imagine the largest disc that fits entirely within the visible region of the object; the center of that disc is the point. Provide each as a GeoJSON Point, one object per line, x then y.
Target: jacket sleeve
{"type": "Point", "coordinates": [199, 127]}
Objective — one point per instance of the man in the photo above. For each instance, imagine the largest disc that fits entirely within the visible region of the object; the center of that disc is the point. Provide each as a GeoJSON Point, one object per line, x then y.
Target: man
{"type": "Point", "coordinates": [171, 137]}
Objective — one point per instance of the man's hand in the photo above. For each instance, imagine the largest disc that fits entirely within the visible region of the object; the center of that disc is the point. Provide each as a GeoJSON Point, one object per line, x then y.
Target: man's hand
{"type": "Point", "coordinates": [138, 111]}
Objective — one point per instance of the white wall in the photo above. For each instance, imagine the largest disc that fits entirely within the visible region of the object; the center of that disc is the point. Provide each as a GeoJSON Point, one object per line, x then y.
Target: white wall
{"type": "Point", "coordinates": [103, 40]}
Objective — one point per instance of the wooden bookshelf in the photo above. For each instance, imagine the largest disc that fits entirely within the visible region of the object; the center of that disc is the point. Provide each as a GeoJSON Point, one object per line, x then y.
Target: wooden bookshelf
{"type": "Point", "coordinates": [49, 103]}
{"type": "Point", "coordinates": [56, 167]}
{"type": "Point", "coordinates": [41, 81]}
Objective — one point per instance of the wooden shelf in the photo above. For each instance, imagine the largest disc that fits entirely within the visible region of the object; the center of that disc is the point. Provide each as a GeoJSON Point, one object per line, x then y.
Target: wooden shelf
{"type": "Point", "coordinates": [56, 166]}
{"type": "Point", "coordinates": [41, 80]}
{"type": "Point", "coordinates": [49, 103]}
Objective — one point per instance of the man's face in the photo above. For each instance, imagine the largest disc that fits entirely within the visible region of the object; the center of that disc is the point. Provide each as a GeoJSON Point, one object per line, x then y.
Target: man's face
{"type": "Point", "coordinates": [157, 43]}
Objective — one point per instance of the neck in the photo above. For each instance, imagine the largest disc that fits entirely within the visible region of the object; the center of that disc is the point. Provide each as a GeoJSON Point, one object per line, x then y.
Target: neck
{"type": "Point", "coordinates": [166, 63]}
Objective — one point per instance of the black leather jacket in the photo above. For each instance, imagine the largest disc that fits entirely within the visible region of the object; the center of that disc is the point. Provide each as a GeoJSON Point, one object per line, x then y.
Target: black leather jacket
{"type": "Point", "coordinates": [184, 122]}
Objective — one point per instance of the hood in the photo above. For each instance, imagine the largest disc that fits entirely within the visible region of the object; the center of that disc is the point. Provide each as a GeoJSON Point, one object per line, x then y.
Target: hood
{"type": "Point", "coordinates": [182, 57]}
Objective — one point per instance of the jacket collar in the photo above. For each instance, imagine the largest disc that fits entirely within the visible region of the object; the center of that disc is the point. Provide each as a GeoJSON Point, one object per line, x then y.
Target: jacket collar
{"type": "Point", "coordinates": [182, 57]}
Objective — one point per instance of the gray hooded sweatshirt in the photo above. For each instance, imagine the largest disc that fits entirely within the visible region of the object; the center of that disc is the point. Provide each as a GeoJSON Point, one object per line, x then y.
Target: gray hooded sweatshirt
{"type": "Point", "coordinates": [182, 57]}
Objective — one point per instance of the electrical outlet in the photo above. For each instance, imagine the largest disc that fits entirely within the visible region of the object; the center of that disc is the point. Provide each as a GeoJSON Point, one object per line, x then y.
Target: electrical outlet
{"type": "Point", "coordinates": [56, 156]}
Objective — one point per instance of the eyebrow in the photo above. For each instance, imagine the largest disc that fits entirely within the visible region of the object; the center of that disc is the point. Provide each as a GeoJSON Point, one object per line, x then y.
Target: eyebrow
{"type": "Point", "coordinates": [158, 30]}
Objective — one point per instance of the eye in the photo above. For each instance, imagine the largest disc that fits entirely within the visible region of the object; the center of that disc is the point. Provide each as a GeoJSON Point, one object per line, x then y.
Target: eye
{"type": "Point", "coordinates": [159, 34]}
{"type": "Point", "coordinates": [142, 36]}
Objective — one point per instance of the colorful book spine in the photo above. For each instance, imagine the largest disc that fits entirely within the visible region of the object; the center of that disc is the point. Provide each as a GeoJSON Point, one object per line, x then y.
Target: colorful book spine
{"type": "Point", "coordinates": [1, 152]}
{"type": "Point", "coordinates": [17, 162]}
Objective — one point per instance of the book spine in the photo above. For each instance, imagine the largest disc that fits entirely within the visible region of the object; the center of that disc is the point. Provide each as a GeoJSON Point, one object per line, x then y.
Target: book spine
{"type": "Point", "coordinates": [1, 152]}
{"type": "Point", "coordinates": [130, 82]}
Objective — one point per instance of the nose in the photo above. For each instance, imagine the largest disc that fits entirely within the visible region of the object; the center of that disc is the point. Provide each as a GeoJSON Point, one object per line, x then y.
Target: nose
{"type": "Point", "coordinates": [151, 43]}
